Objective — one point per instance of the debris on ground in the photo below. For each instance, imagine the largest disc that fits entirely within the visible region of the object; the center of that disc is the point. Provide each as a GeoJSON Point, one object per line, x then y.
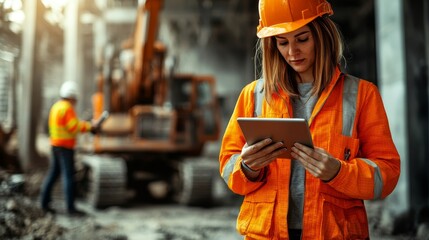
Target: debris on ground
{"type": "Point", "coordinates": [22, 218]}
{"type": "Point", "coordinates": [19, 217]}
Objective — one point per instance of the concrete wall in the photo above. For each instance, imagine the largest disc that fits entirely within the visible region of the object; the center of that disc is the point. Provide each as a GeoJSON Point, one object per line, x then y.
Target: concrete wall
{"type": "Point", "coordinates": [416, 21]}
{"type": "Point", "coordinates": [392, 83]}
{"type": "Point", "coordinates": [402, 37]}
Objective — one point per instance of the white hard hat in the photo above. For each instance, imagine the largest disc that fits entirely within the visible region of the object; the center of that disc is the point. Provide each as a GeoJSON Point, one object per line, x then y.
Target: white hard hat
{"type": "Point", "coordinates": [69, 90]}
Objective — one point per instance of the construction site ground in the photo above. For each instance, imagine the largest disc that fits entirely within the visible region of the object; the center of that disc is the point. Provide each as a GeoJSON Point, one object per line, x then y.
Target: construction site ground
{"type": "Point", "coordinates": [139, 219]}
{"type": "Point", "coordinates": [22, 218]}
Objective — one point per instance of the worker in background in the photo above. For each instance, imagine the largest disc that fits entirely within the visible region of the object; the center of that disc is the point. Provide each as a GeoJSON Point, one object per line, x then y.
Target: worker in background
{"type": "Point", "coordinates": [64, 127]}
{"type": "Point", "coordinates": [319, 193]}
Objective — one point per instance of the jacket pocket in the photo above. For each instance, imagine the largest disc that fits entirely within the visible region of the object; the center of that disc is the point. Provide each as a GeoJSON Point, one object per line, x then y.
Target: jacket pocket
{"type": "Point", "coordinates": [343, 219]}
{"type": "Point", "coordinates": [256, 214]}
{"type": "Point", "coordinates": [343, 147]}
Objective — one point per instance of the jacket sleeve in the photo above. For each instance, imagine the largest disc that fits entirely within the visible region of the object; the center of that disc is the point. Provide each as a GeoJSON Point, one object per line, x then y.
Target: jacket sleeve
{"type": "Point", "coordinates": [74, 124]}
{"type": "Point", "coordinates": [232, 144]}
{"type": "Point", "coordinates": [375, 170]}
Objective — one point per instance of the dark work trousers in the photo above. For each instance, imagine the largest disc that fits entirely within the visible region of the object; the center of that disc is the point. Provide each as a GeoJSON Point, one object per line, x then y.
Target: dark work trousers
{"type": "Point", "coordinates": [62, 161]}
{"type": "Point", "coordinates": [295, 234]}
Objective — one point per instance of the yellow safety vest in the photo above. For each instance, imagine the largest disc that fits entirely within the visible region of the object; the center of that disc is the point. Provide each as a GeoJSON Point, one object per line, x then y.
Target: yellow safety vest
{"type": "Point", "coordinates": [64, 125]}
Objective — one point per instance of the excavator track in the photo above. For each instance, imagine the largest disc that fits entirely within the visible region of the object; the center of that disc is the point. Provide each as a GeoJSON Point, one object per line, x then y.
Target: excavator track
{"type": "Point", "coordinates": [105, 180]}
{"type": "Point", "coordinates": [194, 183]}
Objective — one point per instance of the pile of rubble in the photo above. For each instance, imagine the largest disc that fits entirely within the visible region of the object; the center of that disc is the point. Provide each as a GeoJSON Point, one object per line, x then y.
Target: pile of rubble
{"type": "Point", "coordinates": [20, 218]}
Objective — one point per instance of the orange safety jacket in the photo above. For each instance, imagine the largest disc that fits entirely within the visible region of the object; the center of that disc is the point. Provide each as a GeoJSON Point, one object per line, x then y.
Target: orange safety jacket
{"type": "Point", "coordinates": [349, 121]}
{"type": "Point", "coordinates": [64, 125]}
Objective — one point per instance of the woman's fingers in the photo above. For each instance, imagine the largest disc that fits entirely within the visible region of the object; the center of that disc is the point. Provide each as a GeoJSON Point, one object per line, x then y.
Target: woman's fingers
{"type": "Point", "coordinates": [261, 153]}
{"type": "Point", "coordinates": [317, 161]}
{"type": "Point", "coordinates": [252, 149]}
{"type": "Point", "coordinates": [310, 164]}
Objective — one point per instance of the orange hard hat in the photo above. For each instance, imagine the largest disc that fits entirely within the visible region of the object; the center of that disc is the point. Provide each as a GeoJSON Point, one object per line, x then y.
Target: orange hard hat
{"type": "Point", "coordinates": [283, 16]}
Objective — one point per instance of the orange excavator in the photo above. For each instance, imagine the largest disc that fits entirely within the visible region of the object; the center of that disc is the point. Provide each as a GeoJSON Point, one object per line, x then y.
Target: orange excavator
{"type": "Point", "coordinates": [158, 124]}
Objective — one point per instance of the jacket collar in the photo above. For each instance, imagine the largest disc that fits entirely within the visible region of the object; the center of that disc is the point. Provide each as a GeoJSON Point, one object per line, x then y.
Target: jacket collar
{"type": "Point", "coordinates": [284, 107]}
{"type": "Point", "coordinates": [325, 94]}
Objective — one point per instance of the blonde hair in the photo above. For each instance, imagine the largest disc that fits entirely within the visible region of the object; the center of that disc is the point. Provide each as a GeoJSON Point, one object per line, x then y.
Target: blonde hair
{"type": "Point", "coordinates": [279, 76]}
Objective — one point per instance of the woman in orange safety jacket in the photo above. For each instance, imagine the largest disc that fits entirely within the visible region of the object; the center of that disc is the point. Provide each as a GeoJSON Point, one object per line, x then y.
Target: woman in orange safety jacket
{"type": "Point", "coordinates": [319, 193]}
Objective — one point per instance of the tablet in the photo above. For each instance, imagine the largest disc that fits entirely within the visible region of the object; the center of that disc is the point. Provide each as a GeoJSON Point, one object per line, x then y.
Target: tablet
{"type": "Point", "coordinates": [287, 130]}
{"type": "Point", "coordinates": [102, 118]}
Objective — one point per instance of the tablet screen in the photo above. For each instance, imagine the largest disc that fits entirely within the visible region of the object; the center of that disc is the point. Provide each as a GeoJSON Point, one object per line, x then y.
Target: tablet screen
{"type": "Point", "coordinates": [287, 130]}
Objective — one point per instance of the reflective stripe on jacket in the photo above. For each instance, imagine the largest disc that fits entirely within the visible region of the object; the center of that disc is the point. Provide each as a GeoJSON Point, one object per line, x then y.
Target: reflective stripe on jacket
{"type": "Point", "coordinates": [349, 121]}
{"type": "Point", "coordinates": [64, 125]}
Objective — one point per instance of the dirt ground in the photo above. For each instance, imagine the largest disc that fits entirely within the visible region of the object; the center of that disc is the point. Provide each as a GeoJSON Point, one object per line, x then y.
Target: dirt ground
{"type": "Point", "coordinates": [159, 222]}
{"type": "Point", "coordinates": [151, 222]}
{"type": "Point", "coordinates": [21, 218]}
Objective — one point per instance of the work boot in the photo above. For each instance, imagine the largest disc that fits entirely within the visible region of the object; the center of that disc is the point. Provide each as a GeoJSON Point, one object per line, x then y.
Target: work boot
{"type": "Point", "coordinates": [76, 213]}
{"type": "Point", "coordinates": [48, 210]}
